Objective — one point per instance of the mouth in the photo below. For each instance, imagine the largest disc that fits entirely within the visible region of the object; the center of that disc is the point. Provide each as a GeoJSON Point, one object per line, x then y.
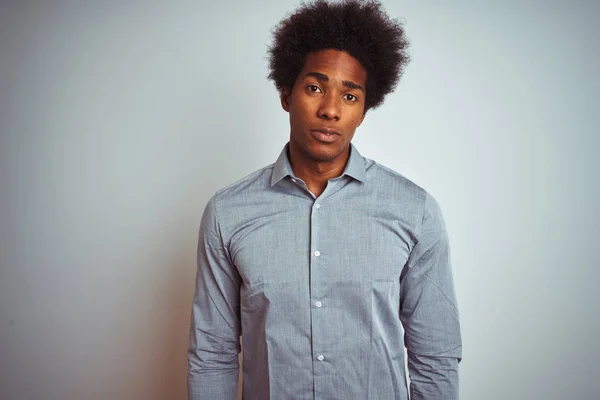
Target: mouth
{"type": "Point", "coordinates": [326, 135]}
{"type": "Point", "coordinates": [327, 131]}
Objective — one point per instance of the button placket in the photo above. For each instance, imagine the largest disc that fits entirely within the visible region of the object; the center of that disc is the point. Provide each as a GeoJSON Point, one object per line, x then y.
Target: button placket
{"type": "Point", "coordinates": [317, 272]}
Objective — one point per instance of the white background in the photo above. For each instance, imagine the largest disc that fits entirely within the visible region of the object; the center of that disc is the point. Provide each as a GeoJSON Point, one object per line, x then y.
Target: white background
{"type": "Point", "coordinates": [119, 120]}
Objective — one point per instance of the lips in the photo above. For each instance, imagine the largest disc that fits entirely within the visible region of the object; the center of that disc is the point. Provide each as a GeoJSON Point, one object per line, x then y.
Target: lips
{"type": "Point", "coordinates": [326, 135]}
{"type": "Point", "coordinates": [329, 131]}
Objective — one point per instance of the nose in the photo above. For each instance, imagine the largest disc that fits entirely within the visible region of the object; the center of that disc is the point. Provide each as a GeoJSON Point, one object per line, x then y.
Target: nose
{"type": "Point", "coordinates": [330, 109]}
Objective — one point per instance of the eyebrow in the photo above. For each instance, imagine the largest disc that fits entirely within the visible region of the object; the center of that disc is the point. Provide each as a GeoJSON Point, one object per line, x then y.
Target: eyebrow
{"type": "Point", "coordinates": [324, 78]}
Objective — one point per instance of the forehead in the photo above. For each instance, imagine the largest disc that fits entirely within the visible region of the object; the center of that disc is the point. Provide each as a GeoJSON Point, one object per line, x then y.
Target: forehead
{"type": "Point", "coordinates": [337, 65]}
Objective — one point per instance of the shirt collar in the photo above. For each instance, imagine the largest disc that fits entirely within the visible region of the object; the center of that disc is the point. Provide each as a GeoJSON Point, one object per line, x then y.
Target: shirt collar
{"type": "Point", "coordinates": [355, 167]}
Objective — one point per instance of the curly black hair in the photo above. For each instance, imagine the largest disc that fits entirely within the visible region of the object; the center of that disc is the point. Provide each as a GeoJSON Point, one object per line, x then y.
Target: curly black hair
{"type": "Point", "coordinates": [360, 28]}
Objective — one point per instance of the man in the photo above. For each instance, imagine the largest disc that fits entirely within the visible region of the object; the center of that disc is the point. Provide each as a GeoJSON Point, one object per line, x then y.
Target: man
{"type": "Point", "coordinates": [323, 260]}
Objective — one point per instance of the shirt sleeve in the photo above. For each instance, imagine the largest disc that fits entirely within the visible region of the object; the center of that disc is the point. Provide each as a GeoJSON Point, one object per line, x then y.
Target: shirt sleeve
{"type": "Point", "coordinates": [429, 311]}
{"type": "Point", "coordinates": [215, 321]}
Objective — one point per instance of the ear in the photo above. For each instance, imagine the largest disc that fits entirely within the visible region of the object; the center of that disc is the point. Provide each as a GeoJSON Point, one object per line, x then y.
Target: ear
{"type": "Point", "coordinates": [362, 118]}
{"type": "Point", "coordinates": [284, 96]}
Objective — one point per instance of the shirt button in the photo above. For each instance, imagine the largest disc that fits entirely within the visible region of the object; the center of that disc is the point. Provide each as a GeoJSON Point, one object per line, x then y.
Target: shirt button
{"type": "Point", "coordinates": [317, 205]}
{"type": "Point", "coordinates": [321, 357]}
{"type": "Point", "coordinates": [318, 304]}
{"type": "Point", "coordinates": [317, 253]}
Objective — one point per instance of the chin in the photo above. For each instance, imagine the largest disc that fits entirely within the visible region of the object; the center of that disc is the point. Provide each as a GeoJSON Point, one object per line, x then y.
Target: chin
{"type": "Point", "coordinates": [323, 155]}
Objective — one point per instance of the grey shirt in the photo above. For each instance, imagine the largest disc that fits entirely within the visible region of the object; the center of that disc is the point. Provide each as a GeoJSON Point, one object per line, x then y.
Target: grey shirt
{"type": "Point", "coordinates": [324, 290]}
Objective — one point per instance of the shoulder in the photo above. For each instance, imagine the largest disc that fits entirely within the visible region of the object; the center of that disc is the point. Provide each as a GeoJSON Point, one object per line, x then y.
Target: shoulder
{"type": "Point", "coordinates": [406, 193]}
{"type": "Point", "coordinates": [238, 191]}
{"type": "Point", "coordinates": [257, 180]}
{"type": "Point", "coordinates": [386, 180]}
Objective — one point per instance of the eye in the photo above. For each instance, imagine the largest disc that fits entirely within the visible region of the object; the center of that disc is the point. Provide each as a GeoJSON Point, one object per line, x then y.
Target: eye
{"type": "Point", "coordinates": [314, 88]}
{"type": "Point", "coordinates": [350, 97]}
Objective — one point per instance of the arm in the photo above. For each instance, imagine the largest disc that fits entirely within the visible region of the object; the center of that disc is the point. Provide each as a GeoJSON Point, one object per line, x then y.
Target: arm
{"type": "Point", "coordinates": [215, 323]}
{"type": "Point", "coordinates": [429, 312]}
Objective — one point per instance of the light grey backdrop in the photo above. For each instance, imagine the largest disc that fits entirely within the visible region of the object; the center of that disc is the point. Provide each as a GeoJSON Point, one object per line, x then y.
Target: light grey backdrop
{"type": "Point", "coordinates": [119, 120]}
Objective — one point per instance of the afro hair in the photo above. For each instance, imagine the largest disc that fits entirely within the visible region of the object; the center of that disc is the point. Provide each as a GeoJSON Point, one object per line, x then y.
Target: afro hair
{"type": "Point", "coordinates": [360, 28]}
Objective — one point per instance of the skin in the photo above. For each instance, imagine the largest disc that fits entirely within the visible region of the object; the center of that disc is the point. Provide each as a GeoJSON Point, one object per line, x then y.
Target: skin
{"type": "Point", "coordinates": [329, 93]}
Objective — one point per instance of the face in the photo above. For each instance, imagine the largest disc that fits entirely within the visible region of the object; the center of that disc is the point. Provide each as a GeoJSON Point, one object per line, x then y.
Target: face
{"type": "Point", "coordinates": [326, 105]}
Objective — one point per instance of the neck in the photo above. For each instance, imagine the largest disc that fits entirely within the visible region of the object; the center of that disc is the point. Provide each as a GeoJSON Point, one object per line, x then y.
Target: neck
{"type": "Point", "coordinates": [316, 173]}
